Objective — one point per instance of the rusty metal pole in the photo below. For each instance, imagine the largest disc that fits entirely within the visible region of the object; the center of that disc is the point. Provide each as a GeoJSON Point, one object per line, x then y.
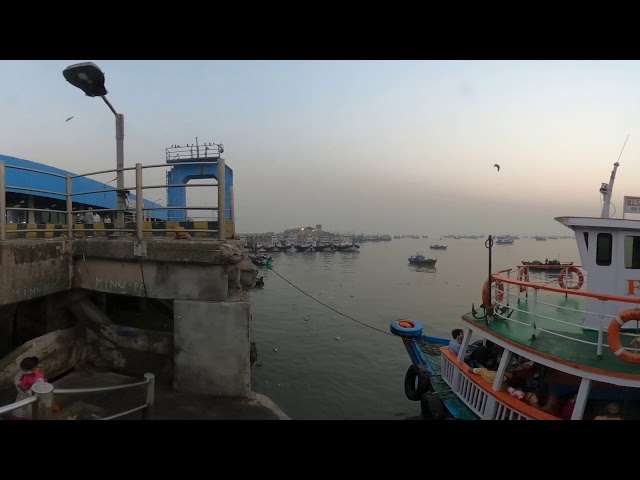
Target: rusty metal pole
{"type": "Point", "coordinates": [139, 201]}
{"type": "Point", "coordinates": [149, 411]}
{"type": "Point", "coordinates": [69, 209]}
{"type": "Point", "coordinates": [3, 202]}
{"type": "Point", "coordinates": [221, 199]}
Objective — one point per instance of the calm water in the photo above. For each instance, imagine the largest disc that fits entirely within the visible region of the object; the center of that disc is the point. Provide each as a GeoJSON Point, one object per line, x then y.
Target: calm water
{"type": "Point", "coordinates": [318, 364]}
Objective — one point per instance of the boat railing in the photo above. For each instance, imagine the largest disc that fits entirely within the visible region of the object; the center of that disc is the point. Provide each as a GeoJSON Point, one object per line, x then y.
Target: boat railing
{"type": "Point", "coordinates": [65, 199]}
{"type": "Point", "coordinates": [43, 399]}
{"type": "Point", "coordinates": [480, 401]}
{"type": "Point", "coordinates": [532, 298]}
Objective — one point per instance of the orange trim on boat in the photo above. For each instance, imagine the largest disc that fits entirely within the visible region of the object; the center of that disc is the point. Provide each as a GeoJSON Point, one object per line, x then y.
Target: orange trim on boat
{"type": "Point", "coordinates": [614, 335]}
{"type": "Point", "coordinates": [567, 271]}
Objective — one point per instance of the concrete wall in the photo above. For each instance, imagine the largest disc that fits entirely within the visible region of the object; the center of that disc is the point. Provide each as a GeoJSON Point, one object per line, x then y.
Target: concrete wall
{"type": "Point", "coordinates": [211, 341]}
{"type": "Point", "coordinates": [143, 278]}
{"type": "Point", "coordinates": [33, 268]}
{"type": "Point", "coordinates": [58, 352]}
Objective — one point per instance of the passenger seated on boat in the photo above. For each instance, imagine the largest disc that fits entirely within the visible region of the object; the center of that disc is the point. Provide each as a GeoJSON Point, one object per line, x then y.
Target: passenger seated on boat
{"type": "Point", "coordinates": [543, 399]}
{"type": "Point", "coordinates": [481, 356]}
{"type": "Point", "coordinates": [612, 413]}
{"type": "Point", "coordinates": [488, 373]}
{"type": "Point", "coordinates": [566, 410]}
{"type": "Point", "coordinates": [454, 345]}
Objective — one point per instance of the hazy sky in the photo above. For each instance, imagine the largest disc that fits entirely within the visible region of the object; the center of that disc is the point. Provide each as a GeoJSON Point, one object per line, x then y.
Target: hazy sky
{"type": "Point", "coordinates": [367, 146]}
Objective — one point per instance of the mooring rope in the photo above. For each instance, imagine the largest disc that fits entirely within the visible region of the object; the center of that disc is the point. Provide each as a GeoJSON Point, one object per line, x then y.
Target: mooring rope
{"type": "Point", "coordinates": [331, 308]}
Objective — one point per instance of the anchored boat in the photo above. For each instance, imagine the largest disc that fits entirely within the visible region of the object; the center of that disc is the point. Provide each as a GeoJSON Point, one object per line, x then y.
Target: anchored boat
{"type": "Point", "coordinates": [420, 259]}
{"type": "Point", "coordinates": [578, 333]}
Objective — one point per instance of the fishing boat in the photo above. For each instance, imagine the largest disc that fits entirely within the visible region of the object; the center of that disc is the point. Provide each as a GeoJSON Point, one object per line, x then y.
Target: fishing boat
{"type": "Point", "coordinates": [546, 266]}
{"type": "Point", "coordinates": [261, 260]}
{"type": "Point", "coordinates": [578, 333]}
{"type": "Point", "coordinates": [420, 259]}
{"type": "Point", "coordinates": [505, 240]}
{"type": "Point", "coordinates": [437, 246]}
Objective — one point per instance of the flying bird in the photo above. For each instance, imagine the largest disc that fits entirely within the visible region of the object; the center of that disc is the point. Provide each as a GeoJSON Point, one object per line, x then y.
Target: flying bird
{"type": "Point", "coordinates": [497, 166]}
{"type": "Point", "coordinates": [68, 119]}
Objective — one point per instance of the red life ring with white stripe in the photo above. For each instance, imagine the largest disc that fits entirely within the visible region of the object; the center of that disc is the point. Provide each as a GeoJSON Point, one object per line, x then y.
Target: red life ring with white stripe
{"type": "Point", "coordinates": [566, 271]}
{"type": "Point", "coordinates": [523, 276]}
{"type": "Point", "coordinates": [486, 293]}
{"type": "Point", "coordinates": [614, 335]}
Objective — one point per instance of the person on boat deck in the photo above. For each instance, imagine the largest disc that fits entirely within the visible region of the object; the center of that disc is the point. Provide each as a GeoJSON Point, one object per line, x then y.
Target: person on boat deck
{"type": "Point", "coordinates": [543, 399]}
{"type": "Point", "coordinates": [613, 413]}
{"type": "Point", "coordinates": [454, 345]}
{"type": "Point", "coordinates": [489, 373]}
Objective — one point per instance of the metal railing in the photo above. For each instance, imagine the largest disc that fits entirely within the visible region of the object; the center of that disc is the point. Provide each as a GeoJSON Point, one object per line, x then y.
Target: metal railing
{"type": "Point", "coordinates": [43, 399]}
{"type": "Point", "coordinates": [135, 209]}
{"type": "Point", "coordinates": [534, 293]}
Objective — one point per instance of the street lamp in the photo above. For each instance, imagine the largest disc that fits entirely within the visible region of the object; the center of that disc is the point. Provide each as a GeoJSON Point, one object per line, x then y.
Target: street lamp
{"type": "Point", "coordinates": [89, 78]}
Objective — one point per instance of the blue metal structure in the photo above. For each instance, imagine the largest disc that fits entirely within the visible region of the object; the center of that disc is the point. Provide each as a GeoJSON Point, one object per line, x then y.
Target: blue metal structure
{"type": "Point", "coordinates": [42, 181]}
{"type": "Point", "coordinates": [186, 169]}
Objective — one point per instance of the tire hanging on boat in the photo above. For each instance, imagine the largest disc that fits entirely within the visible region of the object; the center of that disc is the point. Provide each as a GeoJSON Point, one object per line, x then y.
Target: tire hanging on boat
{"type": "Point", "coordinates": [566, 271]}
{"type": "Point", "coordinates": [406, 328]}
{"type": "Point", "coordinates": [614, 335]}
{"type": "Point", "coordinates": [412, 390]}
{"type": "Point", "coordinates": [523, 276]}
{"type": "Point", "coordinates": [432, 407]}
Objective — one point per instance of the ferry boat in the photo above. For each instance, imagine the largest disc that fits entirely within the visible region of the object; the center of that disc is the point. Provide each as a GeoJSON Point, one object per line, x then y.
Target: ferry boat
{"type": "Point", "coordinates": [346, 244]}
{"type": "Point", "coordinates": [420, 259]}
{"type": "Point", "coordinates": [578, 335]}
{"type": "Point", "coordinates": [505, 240]}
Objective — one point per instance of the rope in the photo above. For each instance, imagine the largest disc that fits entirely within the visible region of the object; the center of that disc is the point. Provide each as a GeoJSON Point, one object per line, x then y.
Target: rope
{"type": "Point", "coordinates": [331, 308]}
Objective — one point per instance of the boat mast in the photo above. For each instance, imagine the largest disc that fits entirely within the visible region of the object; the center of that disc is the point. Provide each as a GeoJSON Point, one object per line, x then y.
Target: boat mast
{"type": "Point", "coordinates": [606, 191]}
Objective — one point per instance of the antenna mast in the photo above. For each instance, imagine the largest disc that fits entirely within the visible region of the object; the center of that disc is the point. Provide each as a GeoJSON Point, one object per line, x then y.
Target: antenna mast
{"type": "Point", "coordinates": [607, 190]}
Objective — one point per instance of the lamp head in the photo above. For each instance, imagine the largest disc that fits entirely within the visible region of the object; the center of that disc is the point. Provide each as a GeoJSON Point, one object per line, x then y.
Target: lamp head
{"type": "Point", "coordinates": [88, 77]}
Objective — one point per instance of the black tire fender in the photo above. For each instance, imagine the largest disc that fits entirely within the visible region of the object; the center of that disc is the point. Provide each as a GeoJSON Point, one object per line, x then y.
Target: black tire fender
{"type": "Point", "coordinates": [416, 382]}
{"type": "Point", "coordinates": [432, 407]}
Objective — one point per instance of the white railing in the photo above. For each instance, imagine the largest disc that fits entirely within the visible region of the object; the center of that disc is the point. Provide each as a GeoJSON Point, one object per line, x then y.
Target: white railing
{"type": "Point", "coordinates": [538, 309]}
{"type": "Point", "coordinates": [44, 396]}
{"type": "Point", "coordinates": [480, 401]}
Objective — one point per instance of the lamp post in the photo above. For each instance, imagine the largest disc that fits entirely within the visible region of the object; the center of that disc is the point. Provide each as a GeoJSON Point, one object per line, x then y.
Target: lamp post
{"type": "Point", "coordinates": [89, 78]}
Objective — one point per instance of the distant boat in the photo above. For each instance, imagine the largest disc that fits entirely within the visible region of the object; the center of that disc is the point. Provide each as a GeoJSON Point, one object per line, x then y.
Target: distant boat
{"type": "Point", "coordinates": [540, 237]}
{"type": "Point", "coordinates": [437, 246]}
{"type": "Point", "coordinates": [505, 240]}
{"type": "Point", "coordinates": [420, 259]}
{"type": "Point", "coordinates": [346, 244]}
{"type": "Point", "coordinates": [548, 265]}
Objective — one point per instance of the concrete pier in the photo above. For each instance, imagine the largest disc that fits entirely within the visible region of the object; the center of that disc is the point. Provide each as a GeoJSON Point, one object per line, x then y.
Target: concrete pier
{"type": "Point", "coordinates": [177, 307]}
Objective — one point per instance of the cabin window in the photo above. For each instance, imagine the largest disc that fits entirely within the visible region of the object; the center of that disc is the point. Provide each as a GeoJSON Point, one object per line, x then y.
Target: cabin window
{"type": "Point", "coordinates": [603, 249]}
{"type": "Point", "coordinates": [586, 239]}
{"type": "Point", "coordinates": [631, 251]}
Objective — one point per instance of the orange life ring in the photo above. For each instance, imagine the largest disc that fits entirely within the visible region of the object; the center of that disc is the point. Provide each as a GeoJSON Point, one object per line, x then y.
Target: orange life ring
{"type": "Point", "coordinates": [523, 276]}
{"type": "Point", "coordinates": [486, 293]}
{"type": "Point", "coordinates": [614, 335]}
{"type": "Point", "coordinates": [567, 271]}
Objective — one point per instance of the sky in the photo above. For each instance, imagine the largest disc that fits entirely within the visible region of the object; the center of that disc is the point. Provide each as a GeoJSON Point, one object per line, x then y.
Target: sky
{"type": "Point", "coordinates": [377, 147]}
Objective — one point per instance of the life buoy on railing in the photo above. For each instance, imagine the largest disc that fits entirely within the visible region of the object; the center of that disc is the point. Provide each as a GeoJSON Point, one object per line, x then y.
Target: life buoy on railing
{"type": "Point", "coordinates": [614, 335]}
{"type": "Point", "coordinates": [566, 271]}
{"type": "Point", "coordinates": [486, 293]}
{"type": "Point", "coordinates": [523, 276]}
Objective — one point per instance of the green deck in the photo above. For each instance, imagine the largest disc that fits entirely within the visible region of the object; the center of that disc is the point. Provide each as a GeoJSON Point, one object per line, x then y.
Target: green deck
{"type": "Point", "coordinates": [518, 328]}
